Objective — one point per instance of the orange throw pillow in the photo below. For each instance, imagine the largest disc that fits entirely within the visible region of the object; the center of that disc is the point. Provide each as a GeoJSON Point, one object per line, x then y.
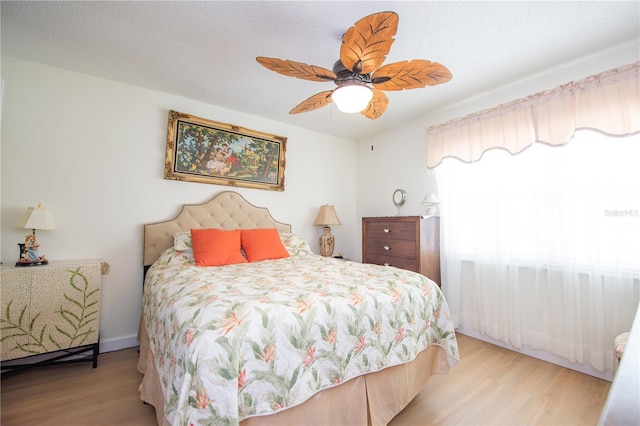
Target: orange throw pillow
{"type": "Point", "coordinates": [262, 244]}
{"type": "Point", "coordinates": [216, 247]}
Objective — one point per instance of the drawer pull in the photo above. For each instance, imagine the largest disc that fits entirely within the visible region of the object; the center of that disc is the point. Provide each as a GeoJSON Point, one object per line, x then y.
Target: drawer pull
{"type": "Point", "coordinates": [387, 248]}
{"type": "Point", "coordinates": [386, 230]}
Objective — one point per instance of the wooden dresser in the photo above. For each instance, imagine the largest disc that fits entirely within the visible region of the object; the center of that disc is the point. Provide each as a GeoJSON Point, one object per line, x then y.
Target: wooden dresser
{"type": "Point", "coordinates": [408, 242]}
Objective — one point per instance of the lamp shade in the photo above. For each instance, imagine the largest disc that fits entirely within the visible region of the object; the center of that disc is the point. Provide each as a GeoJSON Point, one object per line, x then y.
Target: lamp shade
{"type": "Point", "coordinates": [430, 199]}
{"type": "Point", "coordinates": [327, 216]}
{"type": "Point", "coordinates": [37, 218]}
{"type": "Point", "coordinates": [351, 98]}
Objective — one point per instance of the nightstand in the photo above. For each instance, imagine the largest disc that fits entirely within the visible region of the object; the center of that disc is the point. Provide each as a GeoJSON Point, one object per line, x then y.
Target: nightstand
{"type": "Point", "coordinates": [51, 308]}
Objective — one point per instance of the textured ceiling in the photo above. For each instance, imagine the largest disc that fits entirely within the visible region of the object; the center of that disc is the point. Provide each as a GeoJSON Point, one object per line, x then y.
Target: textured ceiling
{"type": "Point", "coordinates": [206, 50]}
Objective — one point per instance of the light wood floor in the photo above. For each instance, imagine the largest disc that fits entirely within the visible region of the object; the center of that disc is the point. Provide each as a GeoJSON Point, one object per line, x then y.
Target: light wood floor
{"type": "Point", "coordinates": [490, 386]}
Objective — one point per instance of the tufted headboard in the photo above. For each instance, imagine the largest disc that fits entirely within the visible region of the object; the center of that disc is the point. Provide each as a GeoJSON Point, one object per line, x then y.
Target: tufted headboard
{"type": "Point", "coordinates": [226, 210]}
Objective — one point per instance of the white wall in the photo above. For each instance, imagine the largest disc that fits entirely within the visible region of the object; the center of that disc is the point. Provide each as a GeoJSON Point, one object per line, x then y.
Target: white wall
{"type": "Point", "coordinates": [399, 157]}
{"type": "Point", "coordinates": [92, 151]}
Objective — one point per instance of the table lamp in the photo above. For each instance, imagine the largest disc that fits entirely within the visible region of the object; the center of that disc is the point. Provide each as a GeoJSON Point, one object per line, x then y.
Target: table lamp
{"type": "Point", "coordinates": [327, 216]}
{"type": "Point", "coordinates": [430, 201]}
{"type": "Point", "coordinates": [34, 218]}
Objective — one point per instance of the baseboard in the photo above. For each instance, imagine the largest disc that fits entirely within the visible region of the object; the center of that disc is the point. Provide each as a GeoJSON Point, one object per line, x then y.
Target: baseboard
{"type": "Point", "coordinates": [118, 343]}
{"type": "Point", "coordinates": [539, 354]}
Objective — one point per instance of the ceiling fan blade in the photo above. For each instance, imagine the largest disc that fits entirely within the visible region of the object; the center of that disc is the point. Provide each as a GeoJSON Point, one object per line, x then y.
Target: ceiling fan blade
{"type": "Point", "coordinates": [314, 102]}
{"type": "Point", "coordinates": [297, 69]}
{"type": "Point", "coordinates": [410, 75]}
{"type": "Point", "coordinates": [366, 44]}
{"type": "Point", "coordinates": [377, 106]}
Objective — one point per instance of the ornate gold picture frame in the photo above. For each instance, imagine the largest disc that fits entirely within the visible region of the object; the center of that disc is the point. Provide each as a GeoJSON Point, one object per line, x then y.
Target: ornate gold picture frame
{"type": "Point", "coordinates": [201, 150]}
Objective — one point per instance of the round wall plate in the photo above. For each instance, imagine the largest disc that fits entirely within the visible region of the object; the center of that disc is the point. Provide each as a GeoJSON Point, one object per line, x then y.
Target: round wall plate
{"type": "Point", "coordinates": [399, 197]}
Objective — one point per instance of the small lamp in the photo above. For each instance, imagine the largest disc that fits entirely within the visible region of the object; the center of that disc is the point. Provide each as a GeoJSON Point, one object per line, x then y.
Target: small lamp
{"type": "Point", "coordinates": [430, 201]}
{"type": "Point", "coordinates": [327, 216]}
{"type": "Point", "coordinates": [35, 218]}
{"type": "Point", "coordinates": [352, 97]}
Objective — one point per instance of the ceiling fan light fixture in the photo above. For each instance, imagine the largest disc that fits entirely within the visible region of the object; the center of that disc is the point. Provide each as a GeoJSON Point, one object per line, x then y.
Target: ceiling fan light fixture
{"type": "Point", "coordinates": [352, 98]}
{"type": "Point", "coordinates": [363, 50]}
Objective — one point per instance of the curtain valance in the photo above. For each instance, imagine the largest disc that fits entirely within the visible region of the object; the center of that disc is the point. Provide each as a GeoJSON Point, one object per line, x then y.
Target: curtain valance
{"type": "Point", "coordinates": [608, 102]}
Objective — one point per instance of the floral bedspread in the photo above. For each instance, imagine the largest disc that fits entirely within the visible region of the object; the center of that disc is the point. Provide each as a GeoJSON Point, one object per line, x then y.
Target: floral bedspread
{"type": "Point", "coordinates": [241, 340]}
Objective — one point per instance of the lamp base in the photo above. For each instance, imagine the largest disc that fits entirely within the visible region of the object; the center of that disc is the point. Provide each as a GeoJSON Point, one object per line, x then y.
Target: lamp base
{"type": "Point", "coordinates": [327, 242]}
{"type": "Point", "coordinates": [29, 256]}
{"type": "Point", "coordinates": [23, 262]}
{"type": "Point", "coordinates": [430, 211]}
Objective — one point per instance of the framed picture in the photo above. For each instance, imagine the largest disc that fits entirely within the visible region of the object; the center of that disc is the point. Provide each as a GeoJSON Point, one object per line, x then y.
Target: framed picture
{"type": "Point", "coordinates": [200, 150]}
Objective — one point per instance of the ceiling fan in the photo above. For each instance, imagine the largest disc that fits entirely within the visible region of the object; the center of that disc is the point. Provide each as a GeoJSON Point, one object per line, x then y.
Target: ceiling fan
{"type": "Point", "coordinates": [364, 48]}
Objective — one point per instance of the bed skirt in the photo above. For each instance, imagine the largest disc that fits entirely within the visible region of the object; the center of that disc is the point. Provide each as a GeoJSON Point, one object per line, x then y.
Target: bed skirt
{"type": "Point", "coordinates": [372, 399]}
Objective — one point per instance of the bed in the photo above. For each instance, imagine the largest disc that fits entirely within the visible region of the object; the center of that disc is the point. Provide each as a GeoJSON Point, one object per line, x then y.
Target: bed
{"type": "Point", "coordinates": [285, 337]}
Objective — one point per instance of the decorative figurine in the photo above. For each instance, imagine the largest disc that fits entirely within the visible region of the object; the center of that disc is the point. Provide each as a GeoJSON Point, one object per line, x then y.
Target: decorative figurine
{"type": "Point", "coordinates": [31, 246]}
{"type": "Point", "coordinates": [29, 255]}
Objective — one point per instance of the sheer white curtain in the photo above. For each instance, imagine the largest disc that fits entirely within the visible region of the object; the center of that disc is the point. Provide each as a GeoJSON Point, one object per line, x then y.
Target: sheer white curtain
{"type": "Point", "coordinates": [543, 248]}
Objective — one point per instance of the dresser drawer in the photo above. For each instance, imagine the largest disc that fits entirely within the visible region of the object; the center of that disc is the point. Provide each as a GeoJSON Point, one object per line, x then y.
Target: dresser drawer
{"type": "Point", "coordinates": [390, 229]}
{"type": "Point", "coordinates": [398, 262]}
{"type": "Point", "coordinates": [391, 247]}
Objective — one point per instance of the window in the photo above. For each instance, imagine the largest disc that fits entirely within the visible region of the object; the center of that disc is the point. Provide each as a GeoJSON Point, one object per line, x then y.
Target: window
{"type": "Point", "coordinates": [543, 248]}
